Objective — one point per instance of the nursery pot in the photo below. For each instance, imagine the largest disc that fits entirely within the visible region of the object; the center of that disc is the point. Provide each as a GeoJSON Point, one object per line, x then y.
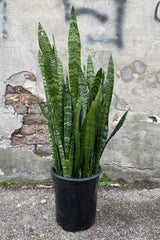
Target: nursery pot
{"type": "Point", "coordinates": [76, 201]}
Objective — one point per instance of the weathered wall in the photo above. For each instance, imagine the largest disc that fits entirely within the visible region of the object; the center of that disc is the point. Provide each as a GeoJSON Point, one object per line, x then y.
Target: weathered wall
{"type": "Point", "coordinates": [130, 30]}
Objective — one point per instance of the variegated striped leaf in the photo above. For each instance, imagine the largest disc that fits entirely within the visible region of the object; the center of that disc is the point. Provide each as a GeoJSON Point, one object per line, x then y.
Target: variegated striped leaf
{"type": "Point", "coordinates": [104, 116]}
{"type": "Point", "coordinates": [82, 89]}
{"type": "Point", "coordinates": [51, 74]}
{"type": "Point", "coordinates": [95, 85]}
{"type": "Point", "coordinates": [90, 72]}
{"type": "Point", "coordinates": [76, 133]}
{"type": "Point", "coordinates": [67, 119]}
{"type": "Point", "coordinates": [90, 134]}
{"type": "Point", "coordinates": [74, 49]}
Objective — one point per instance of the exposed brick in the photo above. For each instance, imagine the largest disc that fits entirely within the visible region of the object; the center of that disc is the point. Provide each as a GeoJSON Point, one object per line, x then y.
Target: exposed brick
{"type": "Point", "coordinates": [17, 89]}
{"type": "Point", "coordinates": [20, 109]}
{"type": "Point", "coordinates": [28, 130]}
{"type": "Point", "coordinates": [25, 130]}
{"type": "Point", "coordinates": [12, 99]}
{"type": "Point", "coordinates": [36, 139]}
{"type": "Point", "coordinates": [17, 140]}
{"type": "Point", "coordinates": [34, 109]}
{"type": "Point", "coordinates": [43, 150]}
{"type": "Point", "coordinates": [34, 119]}
{"type": "Point", "coordinates": [29, 99]}
{"type": "Point", "coordinates": [43, 129]}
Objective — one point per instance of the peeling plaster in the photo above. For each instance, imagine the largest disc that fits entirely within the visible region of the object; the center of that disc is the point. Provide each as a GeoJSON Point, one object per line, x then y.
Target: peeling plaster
{"type": "Point", "coordinates": [25, 79]}
{"type": "Point", "coordinates": [1, 172]}
{"type": "Point", "coordinates": [154, 119]}
{"type": "Point", "coordinates": [12, 121]}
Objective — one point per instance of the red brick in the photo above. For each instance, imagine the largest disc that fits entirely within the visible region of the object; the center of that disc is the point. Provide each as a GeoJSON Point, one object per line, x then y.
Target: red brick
{"type": "Point", "coordinates": [17, 140]}
{"type": "Point", "coordinates": [34, 119]}
{"type": "Point", "coordinates": [36, 139]}
{"type": "Point", "coordinates": [17, 89]}
{"type": "Point", "coordinates": [43, 129]}
{"type": "Point", "coordinates": [20, 109]}
{"type": "Point", "coordinates": [43, 150]}
{"type": "Point", "coordinates": [34, 109]}
{"type": "Point", "coordinates": [27, 130]}
{"type": "Point", "coordinates": [12, 99]}
{"type": "Point", "coordinates": [29, 99]}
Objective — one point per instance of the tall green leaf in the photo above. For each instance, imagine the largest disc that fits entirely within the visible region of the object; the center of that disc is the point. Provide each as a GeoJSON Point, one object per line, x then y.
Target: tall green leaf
{"type": "Point", "coordinates": [52, 139]}
{"type": "Point", "coordinates": [82, 90]}
{"type": "Point", "coordinates": [67, 119]}
{"type": "Point", "coordinates": [90, 71]}
{"type": "Point", "coordinates": [95, 85]}
{"type": "Point", "coordinates": [60, 145]}
{"type": "Point", "coordinates": [104, 115]}
{"type": "Point", "coordinates": [71, 157]}
{"type": "Point", "coordinates": [76, 131]}
{"type": "Point", "coordinates": [90, 134]}
{"type": "Point", "coordinates": [116, 129]}
{"type": "Point", "coordinates": [107, 101]}
{"type": "Point", "coordinates": [97, 107]}
{"type": "Point", "coordinates": [51, 75]}
{"type": "Point", "coordinates": [55, 136]}
{"type": "Point", "coordinates": [74, 49]}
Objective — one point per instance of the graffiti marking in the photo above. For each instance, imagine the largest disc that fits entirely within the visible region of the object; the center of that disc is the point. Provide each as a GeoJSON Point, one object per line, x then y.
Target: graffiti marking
{"type": "Point", "coordinates": [117, 39]}
{"type": "Point", "coordinates": [4, 18]}
{"type": "Point", "coordinates": [156, 17]}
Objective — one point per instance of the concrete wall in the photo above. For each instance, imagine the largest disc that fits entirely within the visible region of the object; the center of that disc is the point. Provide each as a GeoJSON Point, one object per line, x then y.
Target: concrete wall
{"type": "Point", "coordinates": [128, 29]}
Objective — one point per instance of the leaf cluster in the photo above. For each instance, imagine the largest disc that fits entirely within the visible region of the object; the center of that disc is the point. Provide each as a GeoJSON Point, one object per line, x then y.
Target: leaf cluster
{"type": "Point", "coordinates": [78, 107]}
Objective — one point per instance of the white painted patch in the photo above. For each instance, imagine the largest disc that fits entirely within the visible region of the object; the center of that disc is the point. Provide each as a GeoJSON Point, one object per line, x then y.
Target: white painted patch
{"type": "Point", "coordinates": [14, 170]}
{"type": "Point", "coordinates": [1, 172]}
{"type": "Point", "coordinates": [31, 86]}
{"type": "Point", "coordinates": [136, 75]}
{"type": "Point", "coordinates": [9, 121]}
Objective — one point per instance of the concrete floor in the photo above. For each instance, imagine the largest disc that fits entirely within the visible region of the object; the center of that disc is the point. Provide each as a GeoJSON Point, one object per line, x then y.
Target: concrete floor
{"type": "Point", "coordinates": [122, 213]}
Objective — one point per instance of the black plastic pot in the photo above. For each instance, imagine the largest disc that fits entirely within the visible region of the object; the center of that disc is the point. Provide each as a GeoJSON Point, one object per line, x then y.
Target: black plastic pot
{"type": "Point", "coordinates": [76, 201]}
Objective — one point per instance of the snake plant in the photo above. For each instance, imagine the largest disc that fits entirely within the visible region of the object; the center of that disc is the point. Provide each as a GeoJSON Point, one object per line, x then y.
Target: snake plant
{"type": "Point", "coordinates": [78, 107]}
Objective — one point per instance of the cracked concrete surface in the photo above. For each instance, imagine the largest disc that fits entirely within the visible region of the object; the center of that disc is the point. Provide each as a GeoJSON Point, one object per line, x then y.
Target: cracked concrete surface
{"type": "Point", "coordinates": [122, 214]}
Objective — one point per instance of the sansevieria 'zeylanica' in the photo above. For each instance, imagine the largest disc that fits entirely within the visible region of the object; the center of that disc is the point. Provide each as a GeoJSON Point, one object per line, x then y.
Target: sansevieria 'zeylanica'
{"type": "Point", "coordinates": [78, 107]}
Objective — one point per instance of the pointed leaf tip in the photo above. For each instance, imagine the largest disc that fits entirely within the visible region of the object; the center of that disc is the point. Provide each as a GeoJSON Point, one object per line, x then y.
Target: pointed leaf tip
{"type": "Point", "coordinates": [73, 9]}
{"type": "Point", "coordinates": [111, 58]}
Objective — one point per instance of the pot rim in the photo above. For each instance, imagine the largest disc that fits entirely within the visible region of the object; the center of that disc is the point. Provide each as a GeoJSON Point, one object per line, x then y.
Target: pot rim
{"type": "Point", "coordinates": [76, 179]}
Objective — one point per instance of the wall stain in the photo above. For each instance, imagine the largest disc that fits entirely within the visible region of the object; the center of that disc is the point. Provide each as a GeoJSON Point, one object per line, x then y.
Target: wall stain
{"type": "Point", "coordinates": [3, 5]}
{"type": "Point", "coordinates": [117, 39]}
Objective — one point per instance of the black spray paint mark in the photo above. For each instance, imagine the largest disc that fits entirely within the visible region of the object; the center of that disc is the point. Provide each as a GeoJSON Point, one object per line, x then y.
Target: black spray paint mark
{"type": "Point", "coordinates": [82, 11]}
{"type": "Point", "coordinates": [4, 19]}
{"type": "Point", "coordinates": [118, 38]}
{"type": "Point", "coordinates": [101, 17]}
{"type": "Point", "coordinates": [67, 9]}
{"type": "Point", "coordinates": [156, 17]}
